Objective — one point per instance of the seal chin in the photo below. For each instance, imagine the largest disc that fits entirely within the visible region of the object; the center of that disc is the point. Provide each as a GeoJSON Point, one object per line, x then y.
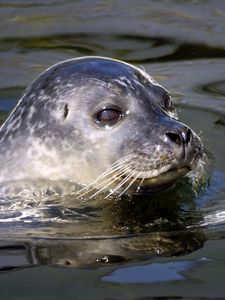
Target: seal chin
{"type": "Point", "coordinates": [161, 182]}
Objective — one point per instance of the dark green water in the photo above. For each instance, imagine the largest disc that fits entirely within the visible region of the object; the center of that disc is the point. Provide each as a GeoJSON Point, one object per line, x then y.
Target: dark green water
{"type": "Point", "coordinates": [52, 254]}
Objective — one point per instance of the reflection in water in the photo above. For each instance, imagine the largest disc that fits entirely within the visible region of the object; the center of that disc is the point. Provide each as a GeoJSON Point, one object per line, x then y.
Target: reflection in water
{"type": "Point", "coordinates": [214, 88]}
{"type": "Point", "coordinates": [99, 251]}
{"type": "Point", "coordinates": [220, 122]}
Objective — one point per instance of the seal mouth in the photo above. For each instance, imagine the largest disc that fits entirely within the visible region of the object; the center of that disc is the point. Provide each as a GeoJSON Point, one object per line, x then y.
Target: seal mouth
{"type": "Point", "coordinates": [161, 181]}
{"type": "Point", "coordinates": [133, 184]}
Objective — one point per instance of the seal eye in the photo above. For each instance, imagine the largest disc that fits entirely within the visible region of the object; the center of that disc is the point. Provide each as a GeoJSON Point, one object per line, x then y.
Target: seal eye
{"type": "Point", "coordinates": [167, 102]}
{"type": "Point", "coordinates": [108, 116]}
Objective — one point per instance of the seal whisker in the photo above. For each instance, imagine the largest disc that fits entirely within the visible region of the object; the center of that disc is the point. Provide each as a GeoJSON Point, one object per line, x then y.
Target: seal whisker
{"type": "Point", "coordinates": [129, 185]}
{"type": "Point", "coordinates": [121, 183]}
{"type": "Point", "coordinates": [116, 165]}
{"type": "Point", "coordinates": [115, 176]}
{"type": "Point", "coordinates": [119, 164]}
{"type": "Point", "coordinates": [122, 171]}
{"type": "Point", "coordinates": [139, 186]}
{"type": "Point", "coordinates": [89, 190]}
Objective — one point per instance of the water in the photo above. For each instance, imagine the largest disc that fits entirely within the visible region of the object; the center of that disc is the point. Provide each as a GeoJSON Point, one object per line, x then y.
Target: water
{"type": "Point", "coordinates": [170, 246]}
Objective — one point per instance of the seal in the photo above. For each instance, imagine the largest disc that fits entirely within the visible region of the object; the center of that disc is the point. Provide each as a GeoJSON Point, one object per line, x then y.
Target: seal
{"type": "Point", "coordinates": [100, 123]}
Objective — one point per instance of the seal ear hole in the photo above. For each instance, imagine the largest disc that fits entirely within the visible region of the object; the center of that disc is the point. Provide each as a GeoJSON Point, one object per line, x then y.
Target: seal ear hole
{"type": "Point", "coordinates": [66, 111]}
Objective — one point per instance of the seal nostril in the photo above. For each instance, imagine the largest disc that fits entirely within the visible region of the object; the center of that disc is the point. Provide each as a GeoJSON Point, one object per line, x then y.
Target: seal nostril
{"type": "Point", "coordinates": [174, 137]}
{"type": "Point", "coordinates": [180, 137]}
{"type": "Point", "coordinates": [188, 136]}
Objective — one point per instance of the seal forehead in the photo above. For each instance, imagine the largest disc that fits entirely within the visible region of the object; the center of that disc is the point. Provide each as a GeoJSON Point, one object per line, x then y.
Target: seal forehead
{"type": "Point", "coordinates": [99, 68]}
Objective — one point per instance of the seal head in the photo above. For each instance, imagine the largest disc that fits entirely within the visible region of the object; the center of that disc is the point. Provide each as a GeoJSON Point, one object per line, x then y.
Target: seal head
{"type": "Point", "coordinates": [101, 123]}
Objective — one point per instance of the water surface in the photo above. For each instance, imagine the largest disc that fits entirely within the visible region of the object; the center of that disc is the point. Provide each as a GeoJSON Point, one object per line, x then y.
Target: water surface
{"type": "Point", "coordinates": [168, 245]}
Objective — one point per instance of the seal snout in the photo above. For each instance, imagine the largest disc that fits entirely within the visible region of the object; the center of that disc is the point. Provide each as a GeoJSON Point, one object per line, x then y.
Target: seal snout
{"type": "Point", "coordinates": [180, 138]}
